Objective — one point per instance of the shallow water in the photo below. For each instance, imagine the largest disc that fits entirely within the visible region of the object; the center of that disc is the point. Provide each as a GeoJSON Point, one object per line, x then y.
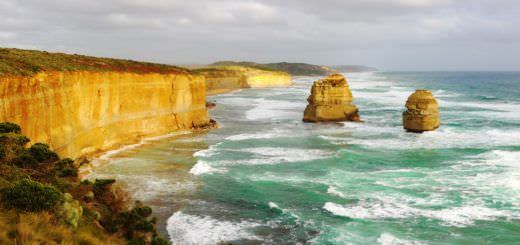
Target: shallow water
{"type": "Point", "coordinates": [266, 177]}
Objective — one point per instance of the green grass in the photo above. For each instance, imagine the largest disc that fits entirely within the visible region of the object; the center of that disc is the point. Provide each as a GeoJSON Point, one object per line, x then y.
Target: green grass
{"type": "Point", "coordinates": [296, 69]}
{"type": "Point", "coordinates": [29, 62]}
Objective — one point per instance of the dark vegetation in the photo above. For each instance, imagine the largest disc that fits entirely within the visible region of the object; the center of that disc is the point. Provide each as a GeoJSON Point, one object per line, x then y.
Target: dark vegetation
{"type": "Point", "coordinates": [29, 62]}
{"type": "Point", "coordinates": [42, 200]}
{"type": "Point", "coordinates": [295, 69]}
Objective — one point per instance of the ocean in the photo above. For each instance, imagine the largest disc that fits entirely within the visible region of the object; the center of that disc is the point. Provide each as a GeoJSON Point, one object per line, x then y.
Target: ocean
{"type": "Point", "coordinates": [265, 177]}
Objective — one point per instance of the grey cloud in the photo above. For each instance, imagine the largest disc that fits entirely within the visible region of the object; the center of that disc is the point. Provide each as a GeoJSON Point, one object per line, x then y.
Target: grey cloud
{"type": "Point", "coordinates": [391, 34]}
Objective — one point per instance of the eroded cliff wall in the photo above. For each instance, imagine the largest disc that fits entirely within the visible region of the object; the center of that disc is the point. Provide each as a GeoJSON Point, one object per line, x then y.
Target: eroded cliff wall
{"type": "Point", "coordinates": [79, 113]}
{"type": "Point", "coordinates": [225, 79]}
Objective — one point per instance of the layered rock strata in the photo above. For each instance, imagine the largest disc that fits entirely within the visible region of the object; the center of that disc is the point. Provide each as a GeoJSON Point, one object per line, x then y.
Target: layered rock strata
{"type": "Point", "coordinates": [330, 101]}
{"type": "Point", "coordinates": [422, 112]}
{"type": "Point", "coordinates": [79, 113]}
{"type": "Point", "coordinates": [224, 79]}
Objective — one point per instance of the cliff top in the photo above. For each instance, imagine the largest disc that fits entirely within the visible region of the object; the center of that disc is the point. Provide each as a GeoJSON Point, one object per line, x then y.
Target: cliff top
{"type": "Point", "coordinates": [335, 80]}
{"type": "Point", "coordinates": [233, 69]}
{"type": "Point", "coordinates": [296, 69]}
{"type": "Point", "coordinates": [29, 62]}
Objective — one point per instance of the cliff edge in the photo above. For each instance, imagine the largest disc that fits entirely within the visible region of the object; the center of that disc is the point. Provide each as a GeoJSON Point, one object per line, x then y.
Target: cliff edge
{"type": "Point", "coordinates": [95, 104]}
{"type": "Point", "coordinates": [228, 78]}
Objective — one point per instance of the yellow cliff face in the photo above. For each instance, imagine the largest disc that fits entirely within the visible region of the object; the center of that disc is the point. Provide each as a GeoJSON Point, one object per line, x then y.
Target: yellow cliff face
{"type": "Point", "coordinates": [220, 81]}
{"type": "Point", "coordinates": [422, 112]}
{"type": "Point", "coordinates": [330, 101]}
{"type": "Point", "coordinates": [79, 113]}
{"type": "Point", "coordinates": [228, 78]}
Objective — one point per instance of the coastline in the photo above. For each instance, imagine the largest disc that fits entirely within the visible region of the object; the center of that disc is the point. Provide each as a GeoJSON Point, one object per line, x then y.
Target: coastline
{"type": "Point", "coordinates": [105, 158]}
{"type": "Point", "coordinates": [100, 158]}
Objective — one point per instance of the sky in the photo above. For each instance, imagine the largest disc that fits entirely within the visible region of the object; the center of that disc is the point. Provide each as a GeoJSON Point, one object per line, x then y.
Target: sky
{"type": "Point", "coordinates": [387, 34]}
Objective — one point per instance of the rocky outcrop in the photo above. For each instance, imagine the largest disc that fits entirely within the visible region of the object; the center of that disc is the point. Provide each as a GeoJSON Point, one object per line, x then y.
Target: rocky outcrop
{"type": "Point", "coordinates": [84, 112]}
{"type": "Point", "coordinates": [330, 101]}
{"type": "Point", "coordinates": [422, 112]}
{"type": "Point", "coordinates": [224, 79]}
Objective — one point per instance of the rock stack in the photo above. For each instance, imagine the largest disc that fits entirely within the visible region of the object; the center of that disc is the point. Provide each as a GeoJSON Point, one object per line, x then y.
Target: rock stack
{"type": "Point", "coordinates": [331, 101]}
{"type": "Point", "coordinates": [422, 112]}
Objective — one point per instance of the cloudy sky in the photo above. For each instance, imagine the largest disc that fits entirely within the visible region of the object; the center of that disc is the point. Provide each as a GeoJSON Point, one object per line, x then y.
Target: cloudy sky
{"type": "Point", "coordinates": [389, 34]}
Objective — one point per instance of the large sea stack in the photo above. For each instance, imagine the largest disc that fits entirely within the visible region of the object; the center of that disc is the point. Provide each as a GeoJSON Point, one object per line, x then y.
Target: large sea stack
{"type": "Point", "coordinates": [331, 101]}
{"type": "Point", "coordinates": [422, 112]}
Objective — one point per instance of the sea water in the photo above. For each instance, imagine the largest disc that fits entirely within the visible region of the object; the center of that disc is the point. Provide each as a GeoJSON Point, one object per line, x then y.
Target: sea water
{"type": "Point", "coordinates": [265, 177]}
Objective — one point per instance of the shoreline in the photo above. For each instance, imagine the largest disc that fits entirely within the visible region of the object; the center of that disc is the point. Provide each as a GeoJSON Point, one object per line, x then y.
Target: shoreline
{"type": "Point", "coordinates": [100, 158]}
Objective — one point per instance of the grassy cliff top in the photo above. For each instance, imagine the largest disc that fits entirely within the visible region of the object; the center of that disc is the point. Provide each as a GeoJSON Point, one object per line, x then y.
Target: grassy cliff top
{"type": "Point", "coordinates": [29, 62]}
{"type": "Point", "coordinates": [233, 69]}
{"type": "Point", "coordinates": [296, 69]}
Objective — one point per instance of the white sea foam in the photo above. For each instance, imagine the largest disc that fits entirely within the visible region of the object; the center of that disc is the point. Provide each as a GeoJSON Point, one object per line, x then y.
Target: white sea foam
{"type": "Point", "coordinates": [261, 135]}
{"type": "Point", "coordinates": [504, 158]}
{"type": "Point", "coordinates": [235, 100]}
{"type": "Point", "coordinates": [495, 106]}
{"type": "Point", "coordinates": [333, 191]}
{"type": "Point", "coordinates": [212, 150]}
{"type": "Point", "coordinates": [389, 239]}
{"type": "Point", "coordinates": [276, 154]}
{"type": "Point", "coordinates": [202, 167]}
{"type": "Point", "coordinates": [239, 137]}
{"type": "Point", "coordinates": [274, 109]}
{"type": "Point", "coordinates": [443, 138]}
{"type": "Point", "coordinates": [190, 229]}
{"type": "Point", "coordinates": [288, 212]}
{"type": "Point", "coordinates": [505, 170]}
{"type": "Point", "coordinates": [262, 156]}
{"type": "Point", "coordinates": [456, 216]}
{"type": "Point", "coordinates": [273, 205]}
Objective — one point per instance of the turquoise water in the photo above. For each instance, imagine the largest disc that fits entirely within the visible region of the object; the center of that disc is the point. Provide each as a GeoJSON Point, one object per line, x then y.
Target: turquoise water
{"type": "Point", "coordinates": [266, 177]}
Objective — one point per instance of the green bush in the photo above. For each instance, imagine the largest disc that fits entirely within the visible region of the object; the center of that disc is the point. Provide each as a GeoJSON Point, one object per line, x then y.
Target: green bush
{"type": "Point", "coordinates": [24, 160]}
{"type": "Point", "coordinates": [30, 196]}
{"type": "Point", "coordinates": [157, 240]}
{"type": "Point", "coordinates": [68, 172]}
{"type": "Point", "coordinates": [65, 163]}
{"type": "Point", "coordinates": [4, 138]}
{"type": "Point", "coordinates": [136, 221]}
{"type": "Point", "coordinates": [21, 140]}
{"type": "Point", "coordinates": [7, 127]}
{"type": "Point", "coordinates": [41, 152]}
{"type": "Point", "coordinates": [103, 184]}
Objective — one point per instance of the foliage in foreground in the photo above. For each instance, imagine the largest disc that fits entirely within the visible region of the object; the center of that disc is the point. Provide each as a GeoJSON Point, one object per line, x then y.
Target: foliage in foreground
{"type": "Point", "coordinates": [42, 200]}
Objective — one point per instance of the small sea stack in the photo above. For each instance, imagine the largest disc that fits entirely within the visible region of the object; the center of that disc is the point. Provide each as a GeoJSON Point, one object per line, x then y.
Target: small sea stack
{"type": "Point", "coordinates": [422, 112]}
{"type": "Point", "coordinates": [331, 101]}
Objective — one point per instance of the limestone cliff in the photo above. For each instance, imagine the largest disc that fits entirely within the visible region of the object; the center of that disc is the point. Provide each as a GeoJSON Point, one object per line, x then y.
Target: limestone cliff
{"type": "Point", "coordinates": [422, 112]}
{"type": "Point", "coordinates": [83, 112]}
{"type": "Point", "coordinates": [221, 81]}
{"type": "Point", "coordinates": [330, 100]}
{"type": "Point", "coordinates": [225, 79]}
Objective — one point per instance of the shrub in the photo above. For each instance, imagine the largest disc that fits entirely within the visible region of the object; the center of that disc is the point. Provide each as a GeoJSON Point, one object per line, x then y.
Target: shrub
{"type": "Point", "coordinates": [135, 222]}
{"type": "Point", "coordinates": [157, 240]}
{"type": "Point", "coordinates": [30, 196]}
{"type": "Point", "coordinates": [65, 163]}
{"type": "Point", "coordinates": [7, 127]}
{"type": "Point", "coordinates": [21, 140]}
{"type": "Point", "coordinates": [101, 185]}
{"type": "Point", "coordinates": [68, 172]}
{"type": "Point", "coordinates": [24, 160]}
{"type": "Point", "coordinates": [41, 152]}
